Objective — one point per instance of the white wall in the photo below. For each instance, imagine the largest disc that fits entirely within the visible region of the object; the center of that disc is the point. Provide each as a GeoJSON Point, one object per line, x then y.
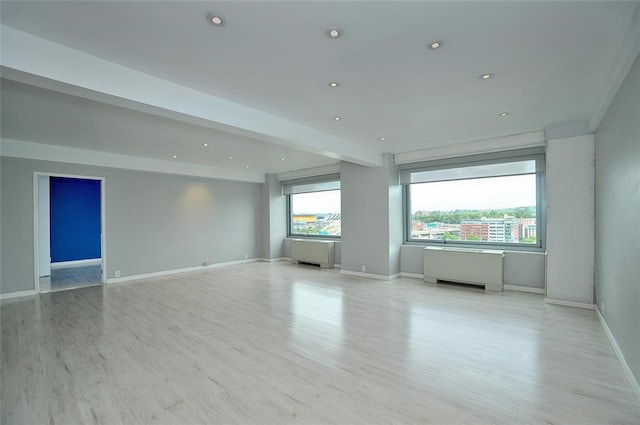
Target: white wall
{"type": "Point", "coordinates": [274, 219]}
{"type": "Point", "coordinates": [570, 179]}
{"type": "Point", "coordinates": [154, 222]}
{"type": "Point", "coordinates": [396, 220]}
{"type": "Point", "coordinates": [525, 269]}
{"type": "Point", "coordinates": [371, 224]}
{"type": "Point", "coordinates": [44, 226]}
{"type": "Point", "coordinates": [617, 276]}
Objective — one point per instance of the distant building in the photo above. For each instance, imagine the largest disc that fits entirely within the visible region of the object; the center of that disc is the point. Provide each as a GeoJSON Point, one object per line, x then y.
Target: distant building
{"type": "Point", "coordinates": [477, 228]}
{"type": "Point", "coordinates": [527, 221]}
{"type": "Point", "coordinates": [317, 224]}
{"type": "Point", "coordinates": [432, 231]}
{"type": "Point", "coordinates": [501, 230]}
{"type": "Point", "coordinates": [304, 218]}
{"type": "Point", "coordinates": [529, 232]}
{"type": "Point", "coordinates": [505, 229]}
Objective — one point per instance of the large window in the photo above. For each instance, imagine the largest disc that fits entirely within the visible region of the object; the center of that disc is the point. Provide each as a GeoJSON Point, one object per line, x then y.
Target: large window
{"type": "Point", "coordinates": [488, 200]}
{"type": "Point", "coordinates": [314, 207]}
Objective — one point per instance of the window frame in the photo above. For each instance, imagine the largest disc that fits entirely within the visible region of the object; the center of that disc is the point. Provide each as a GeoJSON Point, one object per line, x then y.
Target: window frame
{"type": "Point", "coordinates": [473, 160]}
{"type": "Point", "coordinates": [305, 182]}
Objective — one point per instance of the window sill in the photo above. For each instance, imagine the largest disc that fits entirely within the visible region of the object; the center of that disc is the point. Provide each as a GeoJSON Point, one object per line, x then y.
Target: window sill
{"type": "Point", "coordinates": [517, 248]}
{"type": "Point", "coordinates": [315, 238]}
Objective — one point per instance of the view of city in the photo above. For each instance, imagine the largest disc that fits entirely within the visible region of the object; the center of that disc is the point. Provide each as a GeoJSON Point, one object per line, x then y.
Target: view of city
{"type": "Point", "coordinates": [493, 209]}
{"type": "Point", "coordinates": [512, 226]}
{"type": "Point", "coordinates": [474, 210]}
{"type": "Point", "coordinates": [315, 213]}
{"type": "Point", "coordinates": [515, 225]}
{"type": "Point", "coordinates": [316, 224]}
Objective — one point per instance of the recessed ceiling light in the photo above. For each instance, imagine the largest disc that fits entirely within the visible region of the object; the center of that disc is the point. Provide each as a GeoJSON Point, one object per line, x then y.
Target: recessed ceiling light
{"type": "Point", "coordinates": [336, 118]}
{"type": "Point", "coordinates": [333, 84]}
{"type": "Point", "coordinates": [435, 45]}
{"type": "Point", "coordinates": [206, 145]}
{"type": "Point", "coordinates": [334, 33]}
{"type": "Point", "coordinates": [504, 114]}
{"type": "Point", "coordinates": [382, 139]}
{"type": "Point", "coordinates": [215, 19]}
{"type": "Point", "coordinates": [230, 157]}
{"type": "Point", "coordinates": [486, 76]}
{"type": "Point", "coordinates": [247, 167]}
{"type": "Point", "coordinates": [282, 159]}
{"type": "Point", "coordinates": [174, 156]}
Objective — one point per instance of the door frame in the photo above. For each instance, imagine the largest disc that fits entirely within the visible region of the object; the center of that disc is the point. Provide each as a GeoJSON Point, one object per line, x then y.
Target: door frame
{"type": "Point", "coordinates": [103, 239]}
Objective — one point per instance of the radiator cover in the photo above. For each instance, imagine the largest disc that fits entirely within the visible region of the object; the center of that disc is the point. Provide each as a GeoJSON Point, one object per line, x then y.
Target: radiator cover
{"type": "Point", "coordinates": [465, 265]}
{"type": "Point", "coordinates": [313, 252]}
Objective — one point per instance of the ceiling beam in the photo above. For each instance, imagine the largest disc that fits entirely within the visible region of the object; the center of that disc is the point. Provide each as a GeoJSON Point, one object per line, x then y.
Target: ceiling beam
{"type": "Point", "coordinates": [41, 152]}
{"type": "Point", "coordinates": [34, 60]}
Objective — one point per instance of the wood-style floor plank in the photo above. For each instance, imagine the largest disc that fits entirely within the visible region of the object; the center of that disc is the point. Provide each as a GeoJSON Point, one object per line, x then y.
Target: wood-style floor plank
{"type": "Point", "coordinates": [280, 343]}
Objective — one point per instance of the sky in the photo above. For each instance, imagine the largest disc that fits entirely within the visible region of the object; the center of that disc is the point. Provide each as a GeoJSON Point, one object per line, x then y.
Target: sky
{"type": "Point", "coordinates": [475, 194]}
{"type": "Point", "coordinates": [316, 202]}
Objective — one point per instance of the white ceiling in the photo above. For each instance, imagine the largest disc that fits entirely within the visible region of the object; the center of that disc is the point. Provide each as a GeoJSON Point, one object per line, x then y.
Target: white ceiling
{"type": "Point", "coordinates": [271, 63]}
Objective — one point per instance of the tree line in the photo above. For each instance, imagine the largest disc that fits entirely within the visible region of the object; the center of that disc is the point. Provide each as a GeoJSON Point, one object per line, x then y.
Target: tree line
{"type": "Point", "coordinates": [456, 216]}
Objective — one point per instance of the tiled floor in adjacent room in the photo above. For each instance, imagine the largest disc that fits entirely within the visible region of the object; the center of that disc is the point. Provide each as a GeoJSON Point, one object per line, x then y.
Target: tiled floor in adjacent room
{"type": "Point", "coordinates": [71, 277]}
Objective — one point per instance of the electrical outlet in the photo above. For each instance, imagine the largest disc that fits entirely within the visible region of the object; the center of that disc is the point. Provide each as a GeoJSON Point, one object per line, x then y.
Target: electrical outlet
{"type": "Point", "coordinates": [364, 268]}
{"type": "Point", "coordinates": [116, 273]}
{"type": "Point", "coordinates": [602, 308]}
{"type": "Point", "coordinates": [246, 256]}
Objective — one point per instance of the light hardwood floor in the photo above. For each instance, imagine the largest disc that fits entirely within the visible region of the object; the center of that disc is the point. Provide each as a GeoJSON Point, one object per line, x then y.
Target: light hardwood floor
{"type": "Point", "coordinates": [279, 343]}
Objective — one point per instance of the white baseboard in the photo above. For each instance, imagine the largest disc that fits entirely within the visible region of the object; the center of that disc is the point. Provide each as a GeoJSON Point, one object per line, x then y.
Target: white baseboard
{"type": "Point", "coordinates": [337, 266]}
{"type": "Point", "coordinates": [155, 274]}
{"type": "Point", "coordinates": [412, 275]}
{"type": "Point", "coordinates": [616, 349]}
{"type": "Point", "coordinates": [231, 263]}
{"type": "Point", "coordinates": [528, 289]}
{"type": "Point", "coordinates": [178, 271]}
{"type": "Point", "coordinates": [369, 275]}
{"type": "Point", "coordinates": [568, 303]}
{"type": "Point", "coordinates": [76, 263]}
{"type": "Point", "coordinates": [274, 260]}
{"type": "Point", "coordinates": [10, 295]}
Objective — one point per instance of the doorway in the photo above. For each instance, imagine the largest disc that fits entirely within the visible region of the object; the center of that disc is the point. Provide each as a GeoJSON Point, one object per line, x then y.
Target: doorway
{"type": "Point", "coordinates": [69, 221]}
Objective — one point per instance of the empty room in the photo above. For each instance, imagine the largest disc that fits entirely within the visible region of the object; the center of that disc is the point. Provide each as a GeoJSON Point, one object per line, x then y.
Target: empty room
{"type": "Point", "coordinates": [319, 212]}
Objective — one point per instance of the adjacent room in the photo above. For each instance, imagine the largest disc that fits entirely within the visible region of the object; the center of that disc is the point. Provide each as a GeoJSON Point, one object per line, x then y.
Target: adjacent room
{"type": "Point", "coordinates": [69, 233]}
{"type": "Point", "coordinates": [318, 212]}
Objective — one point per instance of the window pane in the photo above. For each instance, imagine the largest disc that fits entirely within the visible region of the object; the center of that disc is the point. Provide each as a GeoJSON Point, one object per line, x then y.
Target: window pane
{"type": "Point", "coordinates": [316, 213]}
{"type": "Point", "coordinates": [496, 209]}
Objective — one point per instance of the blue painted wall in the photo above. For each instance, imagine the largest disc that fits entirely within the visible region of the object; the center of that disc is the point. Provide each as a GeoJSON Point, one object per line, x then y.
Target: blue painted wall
{"type": "Point", "coordinates": [75, 219]}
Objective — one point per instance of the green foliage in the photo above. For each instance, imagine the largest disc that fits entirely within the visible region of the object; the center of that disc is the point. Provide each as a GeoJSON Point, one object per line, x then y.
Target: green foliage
{"type": "Point", "coordinates": [305, 230]}
{"type": "Point", "coordinates": [450, 236]}
{"type": "Point", "coordinates": [456, 216]}
{"type": "Point", "coordinates": [528, 240]}
{"type": "Point", "coordinates": [473, 237]}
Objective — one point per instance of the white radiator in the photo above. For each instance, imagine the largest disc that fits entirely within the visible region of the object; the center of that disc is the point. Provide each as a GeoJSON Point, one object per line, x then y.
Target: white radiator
{"type": "Point", "coordinates": [465, 265]}
{"type": "Point", "coordinates": [313, 252]}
